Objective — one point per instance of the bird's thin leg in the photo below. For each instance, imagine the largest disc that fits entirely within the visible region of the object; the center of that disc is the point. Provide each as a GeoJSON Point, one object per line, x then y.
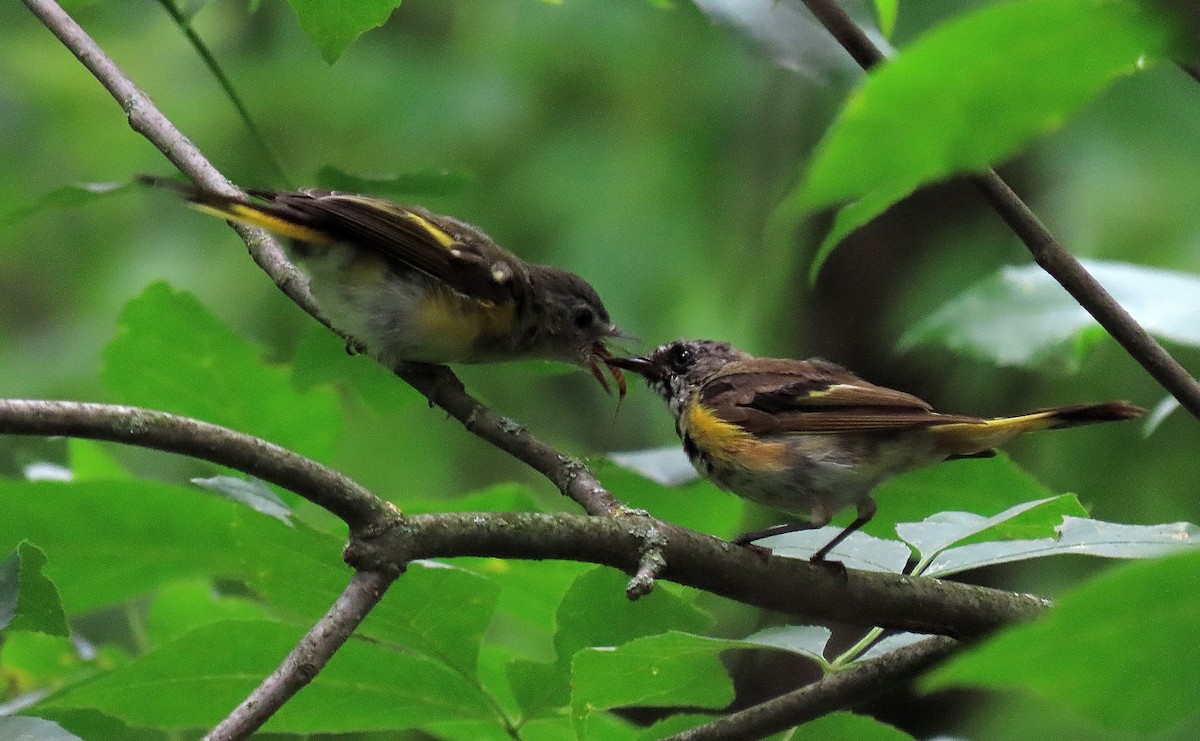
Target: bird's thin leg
{"type": "Point", "coordinates": [866, 510]}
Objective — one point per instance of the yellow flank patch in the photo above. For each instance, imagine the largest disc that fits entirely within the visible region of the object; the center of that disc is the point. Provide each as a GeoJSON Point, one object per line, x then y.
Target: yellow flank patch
{"type": "Point", "coordinates": [728, 443]}
{"type": "Point", "coordinates": [442, 320]}
{"type": "Point", "coordinates": [244, 214]}
{"type": "Point", "coordinates": [440, 236]}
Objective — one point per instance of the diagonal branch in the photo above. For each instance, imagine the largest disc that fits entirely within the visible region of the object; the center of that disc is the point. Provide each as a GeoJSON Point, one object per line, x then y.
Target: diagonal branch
{"type": "Point", "coordinates": [863, 681]}
{"type": "Point", "coordinates": [1047, 251]}
{"type": "Point", "coordinates": [440, 385]}
{"type": "Point", "coordinates": [307, 658]}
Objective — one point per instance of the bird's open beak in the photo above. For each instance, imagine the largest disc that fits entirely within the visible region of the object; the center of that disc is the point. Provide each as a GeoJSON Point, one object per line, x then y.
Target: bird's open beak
{"type": "Point", "coordinates": [644, 367]}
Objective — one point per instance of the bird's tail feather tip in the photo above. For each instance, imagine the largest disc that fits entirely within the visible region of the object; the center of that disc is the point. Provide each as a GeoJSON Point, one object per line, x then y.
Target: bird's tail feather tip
{"type": "Point", "coordinates": [1085, 414]}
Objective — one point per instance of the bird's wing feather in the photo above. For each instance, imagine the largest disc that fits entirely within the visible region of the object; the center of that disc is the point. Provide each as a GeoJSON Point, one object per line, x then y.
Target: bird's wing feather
{"type": "Point", "coordinates": [446, 249]}
{"type": "Point", "coordinates": [789, 396]}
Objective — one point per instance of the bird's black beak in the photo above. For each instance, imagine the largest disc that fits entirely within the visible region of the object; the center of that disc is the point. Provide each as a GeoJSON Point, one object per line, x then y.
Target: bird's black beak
{"type": "Point", "coordinates": [644, 367]}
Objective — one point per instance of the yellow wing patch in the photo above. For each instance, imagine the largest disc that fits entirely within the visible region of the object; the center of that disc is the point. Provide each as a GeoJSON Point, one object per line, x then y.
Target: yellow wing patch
{"type": "Point", "coordinates": [244, 214]}
{"type": "Point", "coordinates": [730, 444]}
{"type": "Point", "coordinates": [440, 236]}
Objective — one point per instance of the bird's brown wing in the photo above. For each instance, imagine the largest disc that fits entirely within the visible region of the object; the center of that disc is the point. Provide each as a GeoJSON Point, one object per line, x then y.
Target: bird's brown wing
{"type": "Point", "coordinates": [446, 249]}
{"type": "Point", "coordinates": [766, 396]}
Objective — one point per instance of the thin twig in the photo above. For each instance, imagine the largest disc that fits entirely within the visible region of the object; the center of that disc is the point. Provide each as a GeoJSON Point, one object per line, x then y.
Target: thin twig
{"type": "Point", "coordinates": [851, 687]}
{"type": "Point", "coordinates": [185, 26]}
{"type": "Point", "coordinates": [339, 494]}
{"type": "Point", "coordinates": [1046, 250]}
{"type": "Point", "coordinates": [440, 385]}
{"type": "Point", "coordinates": [308, 657]}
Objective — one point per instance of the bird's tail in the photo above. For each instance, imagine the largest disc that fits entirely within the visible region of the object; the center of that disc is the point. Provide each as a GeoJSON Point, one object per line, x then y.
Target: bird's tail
{"type": "Point", "coordinates": [966, 439]}
{"type": "Point", "coordinates": [238, 209]}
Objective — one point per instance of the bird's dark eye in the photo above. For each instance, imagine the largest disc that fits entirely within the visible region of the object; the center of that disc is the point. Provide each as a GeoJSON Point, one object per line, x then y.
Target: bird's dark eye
{"type": "Point", "coordinates": [681, 357]}
{"type": "Point", "coordinates": [583, 318]}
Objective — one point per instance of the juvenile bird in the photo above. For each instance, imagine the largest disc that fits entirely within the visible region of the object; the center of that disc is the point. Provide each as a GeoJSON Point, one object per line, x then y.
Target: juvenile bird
{"type": "Point", "coordinates": [412, 286]}
{"type": "Point", "coordinates": [809, 438]}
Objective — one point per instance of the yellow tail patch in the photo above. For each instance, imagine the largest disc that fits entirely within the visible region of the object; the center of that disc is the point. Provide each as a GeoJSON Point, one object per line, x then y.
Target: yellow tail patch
{"type": "Point", "coordinates": [967, 438]}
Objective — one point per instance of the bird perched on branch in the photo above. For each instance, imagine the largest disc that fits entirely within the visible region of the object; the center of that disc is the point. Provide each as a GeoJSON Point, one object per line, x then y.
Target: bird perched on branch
{"type": "Point", "coordinates": [809, 438]}
{"type": "Point", "coordinates": [412, 286]}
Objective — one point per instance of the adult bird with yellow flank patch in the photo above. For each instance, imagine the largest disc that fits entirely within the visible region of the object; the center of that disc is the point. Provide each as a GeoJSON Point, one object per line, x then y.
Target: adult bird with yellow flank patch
{"type": "Point", "coordinates": [412, 286]}
{"type": "Point", "coordinates": [809, 438]}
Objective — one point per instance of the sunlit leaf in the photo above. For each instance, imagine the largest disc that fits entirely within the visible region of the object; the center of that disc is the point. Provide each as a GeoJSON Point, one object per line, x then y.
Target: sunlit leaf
{"type": "Point", "coordinates": [940, 531]}
{"type": "Point", "coordinates": [667, 465]}
{"type": "Point", "coordinates": [858, 551]}
{"type": "Point", "coordinates": [251, 492]}
{"type": "Point", "coordinates": [806, 640]}
{"type": "Point", "coordinates": [949, 104]}
{"type": "Point", "coordinates": [18, 728]}
{"type": "Point", "coordinates": [1076, 536]}
{"type": "Point", "coordinates": [1021, 316]}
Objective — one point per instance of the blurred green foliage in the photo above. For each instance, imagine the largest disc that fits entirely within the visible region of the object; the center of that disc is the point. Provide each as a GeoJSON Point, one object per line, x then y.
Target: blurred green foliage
{"type": "Point", "coordinates": [635, 143]}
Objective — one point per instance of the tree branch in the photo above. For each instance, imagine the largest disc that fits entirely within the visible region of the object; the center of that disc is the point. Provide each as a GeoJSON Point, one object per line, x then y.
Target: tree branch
{"type": "Point", "coordinates": [861, 682]}
{"type": "Point", "coordinates": [358, 507]}
{"type": "Point", "coordinates": [383, 541]}
{"type": "Point", "coordinates": [1047, 251]}
{"type": "Point", "coordinates": [440, 385]}
{"type": "Point", "coordinates": [308, 657]}
{"type": "Point", "coordinates": [792, 586]}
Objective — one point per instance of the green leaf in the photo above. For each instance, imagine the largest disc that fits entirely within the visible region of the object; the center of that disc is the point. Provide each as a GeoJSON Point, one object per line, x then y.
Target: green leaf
{"type": "Point", "coordinates": [321, 359]}
{"type": "Point", "coordinates": [976, 485]}
{"type": "Point", "coordinates": [659, 671]}
{"type": "Point", "coordinates": [1081, 653]}
{"type": "Point", "coordinates": [886, 11]}
{"type": "Point", "coordinates": [28, 599]}
{"type": "Point", "coordinates": [596, 612]}
{"type": "Point", "coordinates": [440, 610]}
{"type": "Point", "coordinates": [91, 461]}
{"type": "Point", "coordinates": [806, 640]}
{"type": "Point", "coordinates": [17, 728]}
{"type": "Point", "coordinates": [857, 551]}
{"type": "Point", "coordinates": [152, 534]}
{"type": "Point", "coordinates": [698, 505]}
{"type": "Point", "coordinates": [950, 104]}
{"type": "Point", "coordinates": [198, 678]}
{"type": "Point", "coordinates": [667, 465]}
{"type": "Point", "coordinates": [68, 196]}
{"type": "Point", "coordinates": [847, 725]}
{"type": "Point", "coordinates": [848, 218]}
{"type": "Point", "coordinates": [423, 183]}
{"type": "Point", "coordinates": [251, 492]}
{"type": "Point", "coordinates": [94, 726]}
{"type": "Point", "coordinates": [333, 25]}
{"type": "Point", "coordinates": [178, 608]}
{"type": "Point", "coordinates": [1021, 316]}
{"type": "Point", "coordinates": [155, 534]}
{"type": "Point", "coordinates": [942, 530]}
{"type": "Point", "coordinates": [1076, 536]}
{"type": "Point", "coordinates": [170, 353]}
